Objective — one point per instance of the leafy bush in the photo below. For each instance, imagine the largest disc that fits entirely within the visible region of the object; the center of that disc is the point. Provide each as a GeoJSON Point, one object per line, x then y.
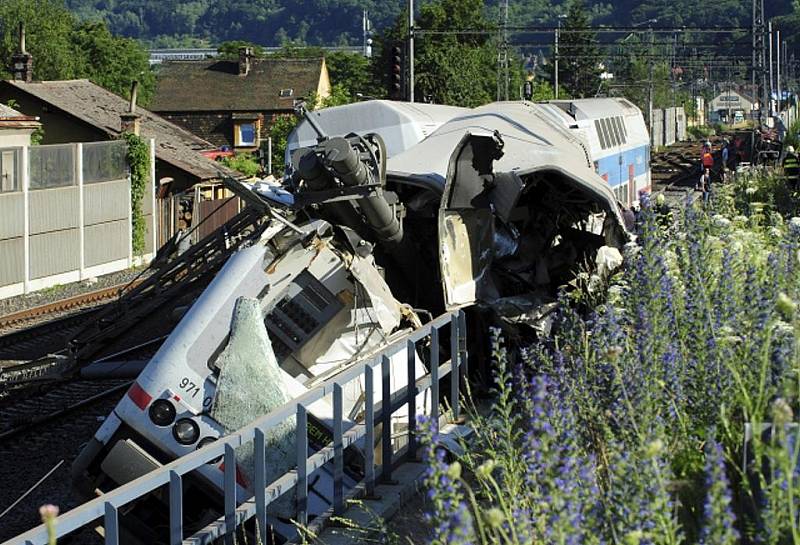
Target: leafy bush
{"type": "Point", "coordinates": [698, 132]}
{"type": "Point", "coordinates": [243, 162]}
{"type": "Point", "coordinates": [628, 426]}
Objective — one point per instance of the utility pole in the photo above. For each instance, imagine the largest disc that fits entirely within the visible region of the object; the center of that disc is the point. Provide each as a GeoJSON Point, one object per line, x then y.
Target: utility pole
{"type": "Point", "coordinates": [771, 72]}
{"type": "Point", "coordinates": [505, 49]}
{"type": "Point", "coordinates": [650, 85]}
{"type": "Point", "coordinates": [778, 68]}
{"type": "Point", "coordinates": [366, 28]}
{"type": "Point", "coordinates": [759, 75]}
{"type": "Point", "coordinates": [411, 50]}
{"type": "Point", "coordinates": [555, 63]}
{"type": "Point", "coordinates": [555, 53]}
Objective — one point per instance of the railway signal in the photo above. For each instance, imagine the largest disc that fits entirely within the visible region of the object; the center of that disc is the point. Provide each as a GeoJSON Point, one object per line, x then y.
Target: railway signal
{"type": "Point", "coordinates": [396, 74]}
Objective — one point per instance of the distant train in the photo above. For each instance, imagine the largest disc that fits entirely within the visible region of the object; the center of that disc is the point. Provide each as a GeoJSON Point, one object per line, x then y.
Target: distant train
{"type": "Point", "coordinates": [619, 144]}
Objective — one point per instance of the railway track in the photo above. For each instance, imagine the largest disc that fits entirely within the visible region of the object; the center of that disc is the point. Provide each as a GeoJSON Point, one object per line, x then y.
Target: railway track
{"type": "Point", "coordinates": [21, 416]}
{"type": "Point", "coordinates": [64, 305]}
{"type": "Point", "coordinates": [40, 437]}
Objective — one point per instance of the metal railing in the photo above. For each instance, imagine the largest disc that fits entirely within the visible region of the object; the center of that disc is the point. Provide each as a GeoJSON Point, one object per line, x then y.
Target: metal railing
{"type": "Point", "coordinates": [236, 512]}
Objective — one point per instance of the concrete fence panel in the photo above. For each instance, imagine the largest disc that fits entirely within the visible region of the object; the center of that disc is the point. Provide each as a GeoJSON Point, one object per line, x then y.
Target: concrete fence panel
{"type": "Point", "coordinates": [106, 243]}
{"type": "Point", "coordinates": [12, 265]}
{"type": "Point", "coordinates": [680, 124]}
{"type": "Point", "coordinates": [70, 218]}
{"type": "Point", "coordinates": [12, 215]}
{"type": "Point", "coordinates": [53, 209]}
{"type": "Point", "coordinates": [54, 253]}
{"type": "Point", "coordinates": [104, 202]}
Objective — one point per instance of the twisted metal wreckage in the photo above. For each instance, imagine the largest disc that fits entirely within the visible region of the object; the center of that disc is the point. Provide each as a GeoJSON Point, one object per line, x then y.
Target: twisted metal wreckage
{"type": "Point", "coordinates": [390, 214]}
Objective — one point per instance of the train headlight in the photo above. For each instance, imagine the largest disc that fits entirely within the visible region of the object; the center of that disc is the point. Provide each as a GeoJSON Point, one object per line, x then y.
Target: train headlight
{"type": "Point", "coordinates": [162, 412]}
{"type": "Point", "coordinates": [186, 431]}
{"type": "Point", "coordinates": [207, 441]}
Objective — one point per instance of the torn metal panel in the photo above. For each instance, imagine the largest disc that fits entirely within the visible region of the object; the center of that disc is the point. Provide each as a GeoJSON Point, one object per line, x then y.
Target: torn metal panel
{"type": "Point", "coordinates": [508, 241]}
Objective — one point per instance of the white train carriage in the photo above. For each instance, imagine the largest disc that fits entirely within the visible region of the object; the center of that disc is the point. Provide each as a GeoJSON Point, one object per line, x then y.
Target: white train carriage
{"type": "Point", "coordinates": [613, 132]}
{"type": "Point", "coordinates": [323, 306]}
{"type": "Point", "coordinates": [616, 135]}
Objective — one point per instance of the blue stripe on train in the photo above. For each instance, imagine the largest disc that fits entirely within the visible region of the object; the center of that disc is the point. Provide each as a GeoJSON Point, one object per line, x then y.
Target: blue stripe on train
{"type": "Point", "coordinates": [617, 173]}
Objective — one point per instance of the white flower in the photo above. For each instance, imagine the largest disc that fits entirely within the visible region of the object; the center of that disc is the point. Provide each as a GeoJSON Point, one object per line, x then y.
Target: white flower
{"type": "Point", "coordinates": [721, 221]}
{"type": "Point", "coordinates": [794, 223]}
{"type": "Point", "coordinates": [751, 190]}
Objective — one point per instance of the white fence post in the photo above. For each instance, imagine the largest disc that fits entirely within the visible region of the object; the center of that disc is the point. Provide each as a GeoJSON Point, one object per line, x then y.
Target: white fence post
{"type": "Point", "coordinates": [26, 230]}
{"type": "Point", "coordinates": [153, 219]}
{"type": "Point", "coordinates": [81, 222]}
{"type": "Point", "coordinates": [130, 222]}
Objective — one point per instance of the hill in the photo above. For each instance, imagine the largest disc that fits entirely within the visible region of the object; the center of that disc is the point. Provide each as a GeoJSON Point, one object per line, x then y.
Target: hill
{"type": "Point", "coordinates": [337, 22]}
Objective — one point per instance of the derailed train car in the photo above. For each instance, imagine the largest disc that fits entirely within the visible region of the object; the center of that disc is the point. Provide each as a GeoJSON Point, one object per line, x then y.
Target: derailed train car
{"type": "Point", "coordinates": [390, 214]}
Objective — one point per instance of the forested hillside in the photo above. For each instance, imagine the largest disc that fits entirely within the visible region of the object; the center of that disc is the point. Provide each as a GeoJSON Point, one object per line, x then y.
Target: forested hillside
{"type": "Point", "coordinates": [273, 22]}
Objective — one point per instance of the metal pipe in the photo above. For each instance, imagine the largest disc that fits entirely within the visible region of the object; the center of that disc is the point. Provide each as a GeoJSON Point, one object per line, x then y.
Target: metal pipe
{"type": "Point", "coordinates": [352, 171]}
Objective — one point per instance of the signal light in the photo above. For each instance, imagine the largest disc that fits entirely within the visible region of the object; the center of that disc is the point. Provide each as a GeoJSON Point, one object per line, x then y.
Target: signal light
{"type": "Point", "coordinates": [396, 74]}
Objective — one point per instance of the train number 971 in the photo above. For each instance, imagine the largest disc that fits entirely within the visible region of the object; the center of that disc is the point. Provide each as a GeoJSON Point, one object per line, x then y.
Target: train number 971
{"type": "Point", "coordinates": [189, 387]}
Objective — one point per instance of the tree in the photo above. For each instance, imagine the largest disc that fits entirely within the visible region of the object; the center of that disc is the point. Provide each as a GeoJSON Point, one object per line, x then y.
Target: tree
{"type": "Point", "coordinates": [112, 62]}
{"type": "Point", "coordinates": [578, 66]}
{"type": "Point", "coordinates": [351, 71]}
{"type": "Point", "coordinates": [48, 26]}
{"type": "Point", "coordinates": [450, 68]}
{"type": "Point", "coordinates": [230, 50]}
{"type": "Point", "coordinates": [63, 48]}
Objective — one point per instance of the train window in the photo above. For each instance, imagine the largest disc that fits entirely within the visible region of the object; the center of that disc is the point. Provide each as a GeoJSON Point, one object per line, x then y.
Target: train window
{"type": "Point", "coordinates": [607, 132]}
{"type": "Point", "coordinates": [618, 126]}
{"type": "Point", "coordinates": [624, 128]}
{"type": "Point", "coordinates": [615, 131]}
{"type": "Point", "coordinates": [599, 133]}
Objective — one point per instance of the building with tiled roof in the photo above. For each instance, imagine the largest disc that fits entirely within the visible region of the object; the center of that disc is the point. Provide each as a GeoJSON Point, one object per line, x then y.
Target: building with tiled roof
{"type": "Point", "coordinates": [232, 103]}
{"type": "Point", "coordinates": [80, 111]}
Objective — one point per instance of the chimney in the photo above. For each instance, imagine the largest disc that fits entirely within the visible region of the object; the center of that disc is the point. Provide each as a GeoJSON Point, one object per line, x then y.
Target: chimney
{"type": "Point", "coordinates": [22, 61]}
{"type": "Point", "coordinates": [129, 121]}
{"type": "Point", "coordinates": [245, 54]}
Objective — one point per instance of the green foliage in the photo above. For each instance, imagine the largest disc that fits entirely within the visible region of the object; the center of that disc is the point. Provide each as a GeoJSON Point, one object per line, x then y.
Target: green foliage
{"type": "Point", "coordinates": [628, 425]}
{"type": "Point", "coordinates": [112, 62]}
{"type": "Point", "coordinates": [449, 69]}
{"type": "Point", "coordinates": [230, 50]}
{"type": "Point", "coordinates": [579, 70]}
{"type": "Point", "coordinates": [243, 162]}
{"type": "Point", "coordinates": [63, 48]}
{"type": "Point", "coordinates": [138, 157]}
{"type": "Point", "coordinates": [37, 136]}
{"type": "Point", "coordinates": [279, 132]}
{"type": "Point", "coordinates": [351, 71]}
{"type": "Point", "coordinates": [700, 133]}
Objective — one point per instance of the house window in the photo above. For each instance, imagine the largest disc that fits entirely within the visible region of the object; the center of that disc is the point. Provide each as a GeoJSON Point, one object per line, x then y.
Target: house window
{"type": "Point", "coordinates": [247, 134]}
{"type": "Point", "coordinates": [286, 93]}
{"type": "Point", "coordinates": [9, 171]}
